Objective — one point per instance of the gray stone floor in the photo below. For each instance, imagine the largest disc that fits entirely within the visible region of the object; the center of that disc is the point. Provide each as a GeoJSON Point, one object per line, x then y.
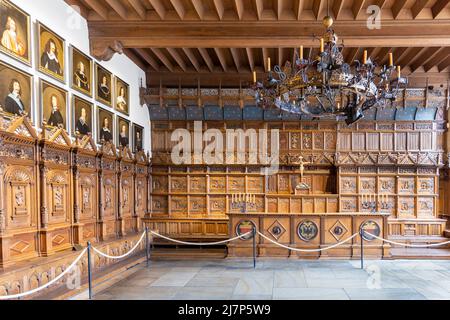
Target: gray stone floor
{"type": "Point", "coordinates": [285, 279]}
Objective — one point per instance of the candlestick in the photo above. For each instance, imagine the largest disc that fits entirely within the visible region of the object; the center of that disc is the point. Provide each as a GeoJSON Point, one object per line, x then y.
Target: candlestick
{"type": "Point", "coordinates": [399, 72]}
{"type": "Point", "coordinates": [322, 45]}
{"type": "Point", "coordinates": [301, 52]}
{"type": "Point", "coordinates": [365, 57]}
{"type": "Point", "coordinates": [268, 64]}
{"type": "Point", "coordinates": [254, 76]}
{"type": "Point", "coordinates": [391, 59]}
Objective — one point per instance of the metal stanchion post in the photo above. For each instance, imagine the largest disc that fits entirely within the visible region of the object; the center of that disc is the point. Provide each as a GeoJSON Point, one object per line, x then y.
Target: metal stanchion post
{"type": "Point", "coordinates": [89, 270]}
{"type": "Point", "coordinates": [147, 248]}
{"type": "Point", "coordinates": [361, 233]}
{"type": "Point", "coordinates": [254, 247]}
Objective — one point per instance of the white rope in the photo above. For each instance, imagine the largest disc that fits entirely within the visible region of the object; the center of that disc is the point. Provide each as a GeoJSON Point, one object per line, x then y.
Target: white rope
{"type": "Point", "coordinates": [308, 250]}
{"type": "Point", "coordinates": [409, 245]}
{"type": "Point", "coordinates": [122, 256]}
{"type": "Point", "coordinates": [201, 244]}
{"type": "Point", "coordinates": [19, 295]}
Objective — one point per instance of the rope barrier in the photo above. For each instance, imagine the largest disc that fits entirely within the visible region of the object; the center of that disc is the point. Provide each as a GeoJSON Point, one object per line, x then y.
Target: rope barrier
{"type": "Point", "coordinates": [124, 255]}
{"type": "Point", "coordinates": [19, 295]}
{"type": "Point", "coordinates": [308, 250]}
{"type": "Point", "coordinates": [198, 243]}
{"type": "Point", "coordinates": [408, 245]}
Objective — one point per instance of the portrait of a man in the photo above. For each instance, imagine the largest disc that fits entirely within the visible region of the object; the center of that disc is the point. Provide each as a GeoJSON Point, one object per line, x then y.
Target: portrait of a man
{"type": "Point", "coordinates": [14, 32]}
{"type": "Point", "coordinates": [82, 116]}
{"type": "Point", "coordinates": [53, 105]}
{"type": "Point", "coordinates": [122, 96]}
{"type": "Point", "coordinates": [105, 126]}
{"type": "Point", "coordinates": [104, 85]}
{"type": "Point", "coordinates": [51, 53]}
{"type": "Point", "coordinates": [81, 72]}
{"type": "Point", "coordinates": [15, 91]}
{"type": "Point", "coordinates": [123, 137]}
{"type": "Point", "coordinates": [138, 138]}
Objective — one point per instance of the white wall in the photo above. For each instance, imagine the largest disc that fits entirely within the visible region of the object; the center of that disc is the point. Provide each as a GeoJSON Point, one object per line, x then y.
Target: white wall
{"type": "Point", "coordinates": [68, 24]}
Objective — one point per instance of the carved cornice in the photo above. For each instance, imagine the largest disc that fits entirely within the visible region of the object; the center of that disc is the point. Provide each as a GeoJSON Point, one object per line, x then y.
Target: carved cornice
{"type": "Point", "coordinates": [392, 158]}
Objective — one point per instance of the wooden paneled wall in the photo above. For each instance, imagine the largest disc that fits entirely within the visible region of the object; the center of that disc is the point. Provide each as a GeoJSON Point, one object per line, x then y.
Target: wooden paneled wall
{"type": "Point", "coordinates": [56, 193]}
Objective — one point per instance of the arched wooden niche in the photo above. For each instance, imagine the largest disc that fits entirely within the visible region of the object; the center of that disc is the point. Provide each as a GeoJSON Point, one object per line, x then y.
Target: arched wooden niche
{"type": "Point", "coordinates": [19, 217]}
{"type": "Point", "coordinates": [127, 217]}
{"type": "Point", "coordinates": [108, 204]}
{"type": "Point", "coordinates": [55, 192]}
{"type": "Point", "coordinates": [85, 190]}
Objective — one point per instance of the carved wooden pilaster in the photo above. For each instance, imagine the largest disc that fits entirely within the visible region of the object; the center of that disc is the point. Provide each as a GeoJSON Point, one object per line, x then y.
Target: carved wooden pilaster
{"type": "Point", "coordinates": [44, 209]}
{"type": "Point", "coordinates": [101, 212]}
{"type": "Point", "coordinates": [2, 201]}
{"type": "Point", "coordinates": [76, 204]}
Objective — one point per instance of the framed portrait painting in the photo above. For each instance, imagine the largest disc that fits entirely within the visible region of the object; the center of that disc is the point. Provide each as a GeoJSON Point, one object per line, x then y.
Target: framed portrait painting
{"type": "Point", "coordinates": [138, 138]}
{"type": "Point", "coordinates": [15, 28]}
{"type": "Point", "coordinates": [104, 91]}
{"type": "Point", "coordinates": [82, 115]}
{"type": "Point", "coordinates": [53, 105]}
{"type": "Point", "coordinates": [51, 53]}
{"type": "Point", "coordinates": [81, 68]}
{"type": "Point", "coordinates": [122, 96]}
{"type": "Point", "coordinates": [123, 132]}
{"type": "Point", "coordinates": [105, 124]}
{"type": "Point", "coordinates": [16, 91]}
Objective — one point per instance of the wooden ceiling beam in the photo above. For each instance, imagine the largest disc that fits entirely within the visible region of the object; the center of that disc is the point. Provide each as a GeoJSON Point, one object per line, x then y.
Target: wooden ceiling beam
{"type": "Point", "coordinates": [191, 56]}
{"type": "Point", "coordinates": [148, 58]}
{"type": "Point", "coordinates": [159, 8]}
{"type": "Point", "coordinates": [258, 6]}
{"type": "Point", "coordinates": [176, 56]}
{"type": "Point", "coordinates": [418, 7]}
{"type": "Point", "coordinates": [221, 57]}
{"type": "Point", "coordinates": [397, 7]}
{"type": "Point", "coordinates": [437, 59]}
{"type": "Point", "coordinates": [130, 53]}
{"type": "Point", "coordinates": [79, 7]}
{"type": "Point", "coordinates": [356, 8]}
{"type": "Point", "coordinates": [444, 64]}
{"type": "Point", "coordinates": [337, 8]}
{"type": "Point", "coordinates": [220, 8]}
{"type": "Point", "coordinates": [317, 8]}
{"type": "Point", "coordinates": [161, 56]}
{"type": "Point", "coordinates": [381, 3]}
{"type": "Point", "coordinates": [239, 8]}
{"type": "Point", "coordinates": [118, 8]}
{"type": "Point", "coordinates": [423, 58]}
{"type": "Point", "coordinates": [175, 34]}
{"type": "Point", "coordinates": [179, 8]}
{"type": "Point", "coordinates": [98, 7]}
{"type": "Point", "coordinates": [199, 8]}
{"type": "Point", "coordinates": [438, 7]}
{"type": "Point", "coordinates": [207, 59]}
{"type": "Point", "coordinates": [265, 53]}
{"type": "Point", "coordinates": [299, 5]}
{"type": "Point", "coordinates": [251, 60]}
{"type": "Point", "coordinates": [236, 59]}
{"type": "Point", "coordinates": [278, 8]}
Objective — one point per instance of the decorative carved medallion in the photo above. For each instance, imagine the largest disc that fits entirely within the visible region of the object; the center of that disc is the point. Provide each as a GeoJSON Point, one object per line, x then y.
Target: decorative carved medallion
{"type": "Point", "coordinates": [307, 230]}
{"type": "Point", "coordinates": [244, 227]}
{"type": "Point", "coordinates": [338, 230]}
{"type": "Point", "coordinates": [371, 227]}
{"type": "Point", "coordinates": [277, 230]}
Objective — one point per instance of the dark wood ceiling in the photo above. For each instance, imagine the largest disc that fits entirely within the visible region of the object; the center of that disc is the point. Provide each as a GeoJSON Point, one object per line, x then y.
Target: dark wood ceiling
{"type": "Point", "coordinates": [183, 42]}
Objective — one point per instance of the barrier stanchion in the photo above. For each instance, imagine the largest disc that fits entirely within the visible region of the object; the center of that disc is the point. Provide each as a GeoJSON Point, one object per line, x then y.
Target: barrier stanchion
{"type": "Point", "coordinates": [254, 247]}
{"type": "Point", "coordinates": [361, 233]}
{"type": "Point", "coordinates": [147, 248]}
{"type": "Point", "coordinates": [89, 270]}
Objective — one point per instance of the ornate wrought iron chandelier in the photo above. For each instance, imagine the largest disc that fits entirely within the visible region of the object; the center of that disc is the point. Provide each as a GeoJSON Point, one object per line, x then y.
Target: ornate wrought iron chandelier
{"type": "Point", "coordinates": [327, 86]}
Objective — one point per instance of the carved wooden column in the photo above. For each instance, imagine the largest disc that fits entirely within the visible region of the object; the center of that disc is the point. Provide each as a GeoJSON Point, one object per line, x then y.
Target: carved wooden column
{"type": "Point", "coordinates": [126, 219]}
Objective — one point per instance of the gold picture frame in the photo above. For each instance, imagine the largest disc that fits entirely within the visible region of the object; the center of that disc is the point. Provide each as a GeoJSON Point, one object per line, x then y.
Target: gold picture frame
{"type": "Point", "coordinates": [81, 80]}
{"type": "Point", "coordinates": [122, 141]}
{"type": "Point", "coordinates": [51, 95]}
{"type": "Point", "coordinates": [51, 51]}
{"type": "Point", "coordinates": [103, 114]}
{"type": "Point", "coordinates": [9, 77]}
{"type": "Point", "coordinates": [15, 25]}
{"type": "Point", "coordinates": [103, 79]}
{"type": "Point", "coordinates": [122, 96]}
{"type": "Point", "coordinates": [138, 146]}
{"type": "Point", "coordinates": [80, 127]}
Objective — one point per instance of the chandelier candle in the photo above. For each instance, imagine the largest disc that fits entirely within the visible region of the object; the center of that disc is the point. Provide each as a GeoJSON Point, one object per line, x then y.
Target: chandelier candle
{"type": "Point", "coordinates": [301, 52]}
